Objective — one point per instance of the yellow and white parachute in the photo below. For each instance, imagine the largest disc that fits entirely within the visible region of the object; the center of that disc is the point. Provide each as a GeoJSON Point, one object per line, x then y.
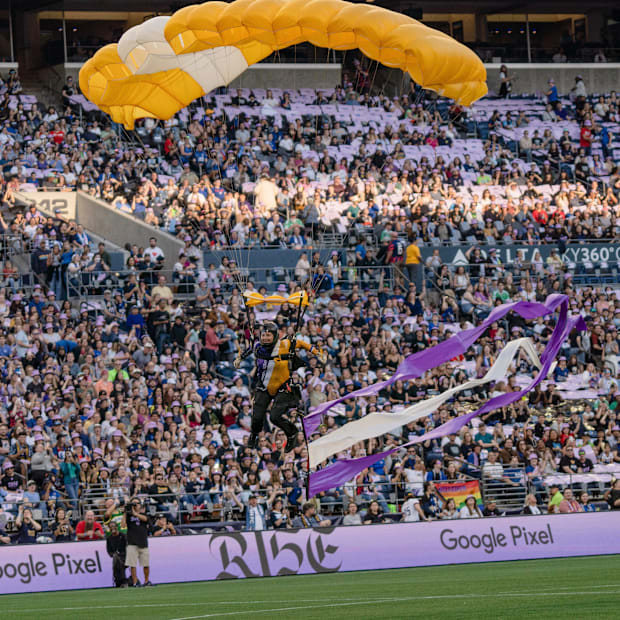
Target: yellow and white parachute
{"type": "Point", "coordinates": [162, 65]}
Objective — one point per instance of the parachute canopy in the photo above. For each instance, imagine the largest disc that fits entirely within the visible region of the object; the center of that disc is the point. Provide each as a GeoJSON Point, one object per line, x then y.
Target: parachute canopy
{"type": "Point", "coordinates": [162, 65]}
{"type": "Point", "coordinates": [256, 299]}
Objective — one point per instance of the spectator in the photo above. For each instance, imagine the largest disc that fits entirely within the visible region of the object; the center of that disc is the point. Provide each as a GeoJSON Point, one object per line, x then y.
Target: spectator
{"type": "Point", "coordinates": [374, 514]}
{"type": "Point", "coordinates": [555, 499]}
{"type": "Point", "coordinates": [310, 518]}
{"type": "Point", "coordinates": [470, 510]}
{"type": "Point", "coordinates": [279, 517]}
{"type": "Point", "coordinates": [163, 527]}
{"type": "Point", "coordinates": [411, 510]}
{"type": "Point", "coordinates": [27, 527]}
{"type": "Point", "coordinates": [490, 509]}
{"type": "Point", "coordinates": [352, 517]}
{"type": "Point", "coordinates": [88, 528]}
{"type": "Point", "coordinates": [62, 529]}
{"type": "Point", "coordinates": [450, 510]}
{"type": "Point", "coordinates": [505, 82]}
{"type": "Point", "coordinates": [255, 518]}
{"type": "Point", "coordinates": [569, 503]}
{"type": "Point", "coordinates": [613, 495]}
{"type": "Point", "coordinates": [531, 505]}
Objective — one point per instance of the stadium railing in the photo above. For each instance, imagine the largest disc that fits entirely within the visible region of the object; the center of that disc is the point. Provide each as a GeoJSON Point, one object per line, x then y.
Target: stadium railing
{"type": "Point", "coordinates": [212, 511]}
{"type": "Point", "coordinates": [88, 287]}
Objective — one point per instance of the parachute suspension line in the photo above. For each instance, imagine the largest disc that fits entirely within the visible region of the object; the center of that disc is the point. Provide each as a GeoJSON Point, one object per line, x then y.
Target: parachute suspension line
{"type": "Point", "coordinates": [372, 83]}
{"type": "Point", "coordinates": [402, 85]}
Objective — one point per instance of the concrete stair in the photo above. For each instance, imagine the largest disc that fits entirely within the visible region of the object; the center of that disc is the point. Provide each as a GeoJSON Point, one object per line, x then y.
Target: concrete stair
{"type": "Point", "coordinates": [47, 92]}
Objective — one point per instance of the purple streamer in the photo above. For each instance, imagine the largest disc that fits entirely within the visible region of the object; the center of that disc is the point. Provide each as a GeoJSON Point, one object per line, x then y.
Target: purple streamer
{"type": "Point", "coordinates": [416, 364]}
{"type": "Point", "coordinates": [342, 471]}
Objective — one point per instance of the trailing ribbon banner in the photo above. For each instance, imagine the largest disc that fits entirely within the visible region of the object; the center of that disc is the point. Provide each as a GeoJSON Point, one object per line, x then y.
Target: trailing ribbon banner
{"type": "Point", "coordinates": [256, 299]}
{"type": "Point", "coordinates": [417, 364]}
{"type": "Point", "coordinates": [342, 471]}
{"type": "Point", "coordinates": [378, 423]}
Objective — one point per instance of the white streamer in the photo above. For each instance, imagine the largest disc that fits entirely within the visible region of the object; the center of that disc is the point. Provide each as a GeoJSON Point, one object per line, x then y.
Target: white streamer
{"type": "Point", "coordinates": [378, 423]}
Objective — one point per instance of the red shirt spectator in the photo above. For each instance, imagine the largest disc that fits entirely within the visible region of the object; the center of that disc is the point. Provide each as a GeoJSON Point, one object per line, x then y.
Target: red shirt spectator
{"type": "Point", "coordinates": [58, 136]}
{"type": "Point", "coordinates": [89, 529]}
{"type": "Point", "coordinates": [585, 137]}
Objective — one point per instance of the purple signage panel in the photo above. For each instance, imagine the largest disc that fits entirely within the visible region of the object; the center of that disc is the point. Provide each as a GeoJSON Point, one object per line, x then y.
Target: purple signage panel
{"type": "Point", "coordinates": [230, 555]}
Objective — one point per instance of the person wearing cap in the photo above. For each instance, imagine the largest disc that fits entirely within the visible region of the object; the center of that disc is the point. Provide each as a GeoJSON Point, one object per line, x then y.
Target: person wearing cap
{"type": "Point", "coordinates": [272, 383]}
{"type": "Point", "coordinates": [412, 510]}
{"type": "Point", "coordinates": [137, 541]}
{"type": "Point", "coordinates": [555, 499]}
{"type": "Point", "coordinates": [163, 527]}
{"type": "Point", "coordinates": [32, 499]}
{"type": "Point", "coordinates": [10, 481]}
{"type": "Point", "coordinates": [552, 93]}
{"type": "Point", "coordinates": [255, 517]}
{"type": "Point", "coordinates": [490, 508]}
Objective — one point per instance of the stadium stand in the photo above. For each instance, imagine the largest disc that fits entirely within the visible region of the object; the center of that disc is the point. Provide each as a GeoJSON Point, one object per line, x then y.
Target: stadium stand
{"type": "Point", "coordinates": [117, 379]}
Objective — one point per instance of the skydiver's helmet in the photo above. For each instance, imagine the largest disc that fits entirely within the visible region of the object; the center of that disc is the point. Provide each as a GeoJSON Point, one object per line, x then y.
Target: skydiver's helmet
{"type": "Point", "coordinates": [269, 327]}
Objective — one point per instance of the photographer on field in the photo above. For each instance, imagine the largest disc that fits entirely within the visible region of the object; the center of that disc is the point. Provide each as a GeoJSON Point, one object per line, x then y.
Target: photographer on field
{"type": "Point", "coordinates": [137, 541]}
{"type": "Point", "coordinates": [116, 546]}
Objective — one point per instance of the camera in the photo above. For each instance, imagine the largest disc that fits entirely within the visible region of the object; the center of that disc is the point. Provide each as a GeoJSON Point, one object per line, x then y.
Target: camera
{"type": "Point", "coordinates": [133, 503]}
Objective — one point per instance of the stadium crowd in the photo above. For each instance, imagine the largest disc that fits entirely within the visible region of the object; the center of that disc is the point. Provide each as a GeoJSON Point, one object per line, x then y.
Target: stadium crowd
{"type": "Point", "coordinates": [139, 397]}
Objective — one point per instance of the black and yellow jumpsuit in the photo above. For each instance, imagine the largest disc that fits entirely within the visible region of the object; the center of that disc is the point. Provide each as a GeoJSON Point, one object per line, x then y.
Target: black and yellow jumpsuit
{"type": "Point", "coordinates": [272, 383]}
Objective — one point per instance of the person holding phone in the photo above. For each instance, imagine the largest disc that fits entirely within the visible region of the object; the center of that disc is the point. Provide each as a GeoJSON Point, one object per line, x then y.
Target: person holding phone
{"type": "Point", "coordinates": [27, 527]}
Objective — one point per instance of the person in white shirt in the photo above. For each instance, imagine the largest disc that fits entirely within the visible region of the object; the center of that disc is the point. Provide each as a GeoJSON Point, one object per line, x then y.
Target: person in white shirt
{"type": "Point", "coordinates": [411, 510]}
{"type": "Point", "coordinates": [266, 192]}
{"type": "Point", "coordinates": [470, 510]}
{"type": "Point", "coordinates": [415, 477]}
{"type": "Point", "coordinates": [579, 89]}
{"type": "Point", "coordinates": [255, 515]}
{"type": "Point", "coordinates": [154, 252]}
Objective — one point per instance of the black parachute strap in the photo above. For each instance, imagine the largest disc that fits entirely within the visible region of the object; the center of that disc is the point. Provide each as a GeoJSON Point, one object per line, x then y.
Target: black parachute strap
{"type": "Point", "coordinates": [251, 323]}
{"type": "Point", "coordinates": [293, 347]}
{"type": "Point", "coordinates": [301, 310]}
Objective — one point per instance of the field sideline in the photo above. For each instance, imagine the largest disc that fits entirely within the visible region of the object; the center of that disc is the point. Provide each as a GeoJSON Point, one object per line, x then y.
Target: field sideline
{"type": "Point", "coordinates": [573, 587]}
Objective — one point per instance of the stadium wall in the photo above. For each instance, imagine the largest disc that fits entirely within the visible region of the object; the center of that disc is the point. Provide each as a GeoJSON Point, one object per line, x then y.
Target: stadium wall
{"type": "Point", "coordinates": [530, 78]}
{"type": "Point", "coordinates": [236, 555]}
{"type": "Point", "coordinates": [533, 78]}
{"type": "Point", "coordinates": [263, 75]}
{"type": "Point", "coordinates": [120, 228]}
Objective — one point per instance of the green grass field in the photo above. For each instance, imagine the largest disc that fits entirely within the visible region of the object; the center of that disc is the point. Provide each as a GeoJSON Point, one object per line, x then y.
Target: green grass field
{"type": "Point", "coordinates": [586, 587]}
